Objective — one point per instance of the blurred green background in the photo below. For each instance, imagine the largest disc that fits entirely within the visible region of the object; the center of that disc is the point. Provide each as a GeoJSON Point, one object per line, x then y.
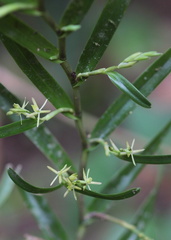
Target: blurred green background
{"type": "Point", "coordinates": [145, 27]}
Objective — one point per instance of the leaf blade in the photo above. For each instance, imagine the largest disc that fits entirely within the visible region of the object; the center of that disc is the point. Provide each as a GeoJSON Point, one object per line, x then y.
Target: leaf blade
{"type": "Point", "coordinates": [102, 34]}
{"type": "Point", "coordinates": [16, 6]}
{"type": "Point", "coordinates": [37, 74]}
{"type": "Point", "coordinates": [123, 195]}
{"type": "Point", "coordinates": [27, 37]}
{"type": "Point", "coordinates": [122, 107]}
{"type": "Point", "coordinates": [156, 159]}
{"type": "Point", "coordinates": [125, 86]}
{"type": "Point", "coordinates": [20, 182]}
{"type": "Point", "coordinates": [16, 128]}
{"type": "Point", "coordinates": [127, 194]}
{"type": "Point", "coordinates": [49, 225]}
{"type": "Point", "coordinates": [75, 12]}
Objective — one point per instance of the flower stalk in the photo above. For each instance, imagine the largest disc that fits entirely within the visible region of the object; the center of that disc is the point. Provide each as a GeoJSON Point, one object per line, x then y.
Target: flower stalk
{"type": "Point", "coordinates": [127, 62]}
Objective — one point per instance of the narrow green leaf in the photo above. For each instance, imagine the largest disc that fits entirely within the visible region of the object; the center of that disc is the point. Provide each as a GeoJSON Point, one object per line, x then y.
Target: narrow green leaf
{"type": "Point", "coordinates": [125, 176]}
{"type": "Point", "coordinates": [157, 159]}
{"type": "Point", "coordinates": [37, 74]}
{"type": "Point", "coordinates": [20, 182]}
{"type": "Point", "coordinates": [27, 37]}
{"type": "Point", "coordinates": [6, 185]}
{"type": "Point", "coordinates": [49, 225]}
{"type": "Point", "coordinates": [41, 137]}
{"type": "Point", "coordinates": [13, 7]}
{"type": "Point", "coordinates": [127, 194]}
{"type": "Point", "coordinates": [102, 34]}
{"type": "Point", "coordinates": [46, 142]}
{"type": "Point", "coordinates": [18, 1]}
{"type": "Point", "coordinates": [17, 128]}
{"type": "Point", "coordinates": [75, 12]}
{"type": "Point", "coordinates": [121, 108]}
{"type": "Point", "coordinates": [125, 86]}
{"type": "Point", "coordinates": [36, 190]}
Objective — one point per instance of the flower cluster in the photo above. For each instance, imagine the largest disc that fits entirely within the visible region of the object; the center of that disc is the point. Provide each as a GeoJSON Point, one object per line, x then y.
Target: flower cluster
{"type": "Point", "coordinates": [71, 182]}
{"type": "Point", "coordinates": [21, 110]}
{"type": "Point", "coordinates": [136, 57]}
{"type": "Point", "coordinates": [128, 151]}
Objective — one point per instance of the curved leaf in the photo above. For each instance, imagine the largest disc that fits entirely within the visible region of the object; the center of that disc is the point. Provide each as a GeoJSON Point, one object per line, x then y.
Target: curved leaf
{"type": "Point", "coordinates": [27, 37]}
{"type": "Point", "coordinates": [49, 225]}
{"type": "Point", "coordinates": [127, 194]}
{"type": "Point", "coordinates": [13, 7]}
{"type": "Point", "coordinates": [41, 137]}
{"type": "Point", "coordinates": [125, 86]}
{"type": "Point", "coordinates": [102, 34]}
{"type": "Point", "coordinates": [27, 186]}
{"type": "Point", "coordinates": [37, 74]}
{"type": "Point", "coordinates": [17, 128]}
{"type": "Point", "coordinates": [156, 159]}
{"type": "Point", "coordinates": [75, 12]}
{"type": "Point", "coordinates": [121, 108]}
{"type": "Point", "coordinates": [30, 188]}
{"type": "Point", "coordinates": [18, 1]}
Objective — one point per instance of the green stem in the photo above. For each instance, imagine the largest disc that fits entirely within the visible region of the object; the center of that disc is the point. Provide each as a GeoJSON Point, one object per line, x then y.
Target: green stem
{"type": "Point", "coordinates": [122, 223]}
{"type": "Point", "coordinates": [96, 72]}
{"type": "Point", "coordinates": [79, 125]}
{"type": "Point", "coordinates": [78, 114]}
{"type": "Point", "coordinates": [47, 18]}
{"type": "Point", "coordinates": [62, 48]}
{"type": "Point", "coordinates": [87, 74]}
{"type": "Point", "coordinates": [65, 65]}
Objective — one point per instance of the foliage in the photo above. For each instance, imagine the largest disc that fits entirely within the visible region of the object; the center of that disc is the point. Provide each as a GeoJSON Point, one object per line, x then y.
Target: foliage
{"type": "Point", "coordinates": [26, 46]}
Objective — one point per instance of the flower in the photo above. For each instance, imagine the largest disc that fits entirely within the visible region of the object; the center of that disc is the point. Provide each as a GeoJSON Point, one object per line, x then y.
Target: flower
{"type": "Point", "coordinates": [37, 111]}
{"type": "Point", "coordinates": [62, 174]}
{"type": "Point", "coordinates": [128, 151]}
{"type": "Point", "coordinates": [70, 183]}
{"type": "Point", "coordinates": [87, 180]}
{"type": "Point", "coordinates": [19, 110]}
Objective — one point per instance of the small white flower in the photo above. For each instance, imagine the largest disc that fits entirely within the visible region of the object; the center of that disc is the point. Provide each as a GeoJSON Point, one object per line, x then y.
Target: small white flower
{"type": "Point", "coordinates": [88, 180]}
{"type": "Point", "coordinates": [19, 110]}
{"type": "Point", "coordinates": [37, 110]}
{"type": "Point", "coordinates": [59, 174]}
{"type": "Point", "coordinates": [128, 151]}
{"type": "Point", "coordinates": [71, 185]}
